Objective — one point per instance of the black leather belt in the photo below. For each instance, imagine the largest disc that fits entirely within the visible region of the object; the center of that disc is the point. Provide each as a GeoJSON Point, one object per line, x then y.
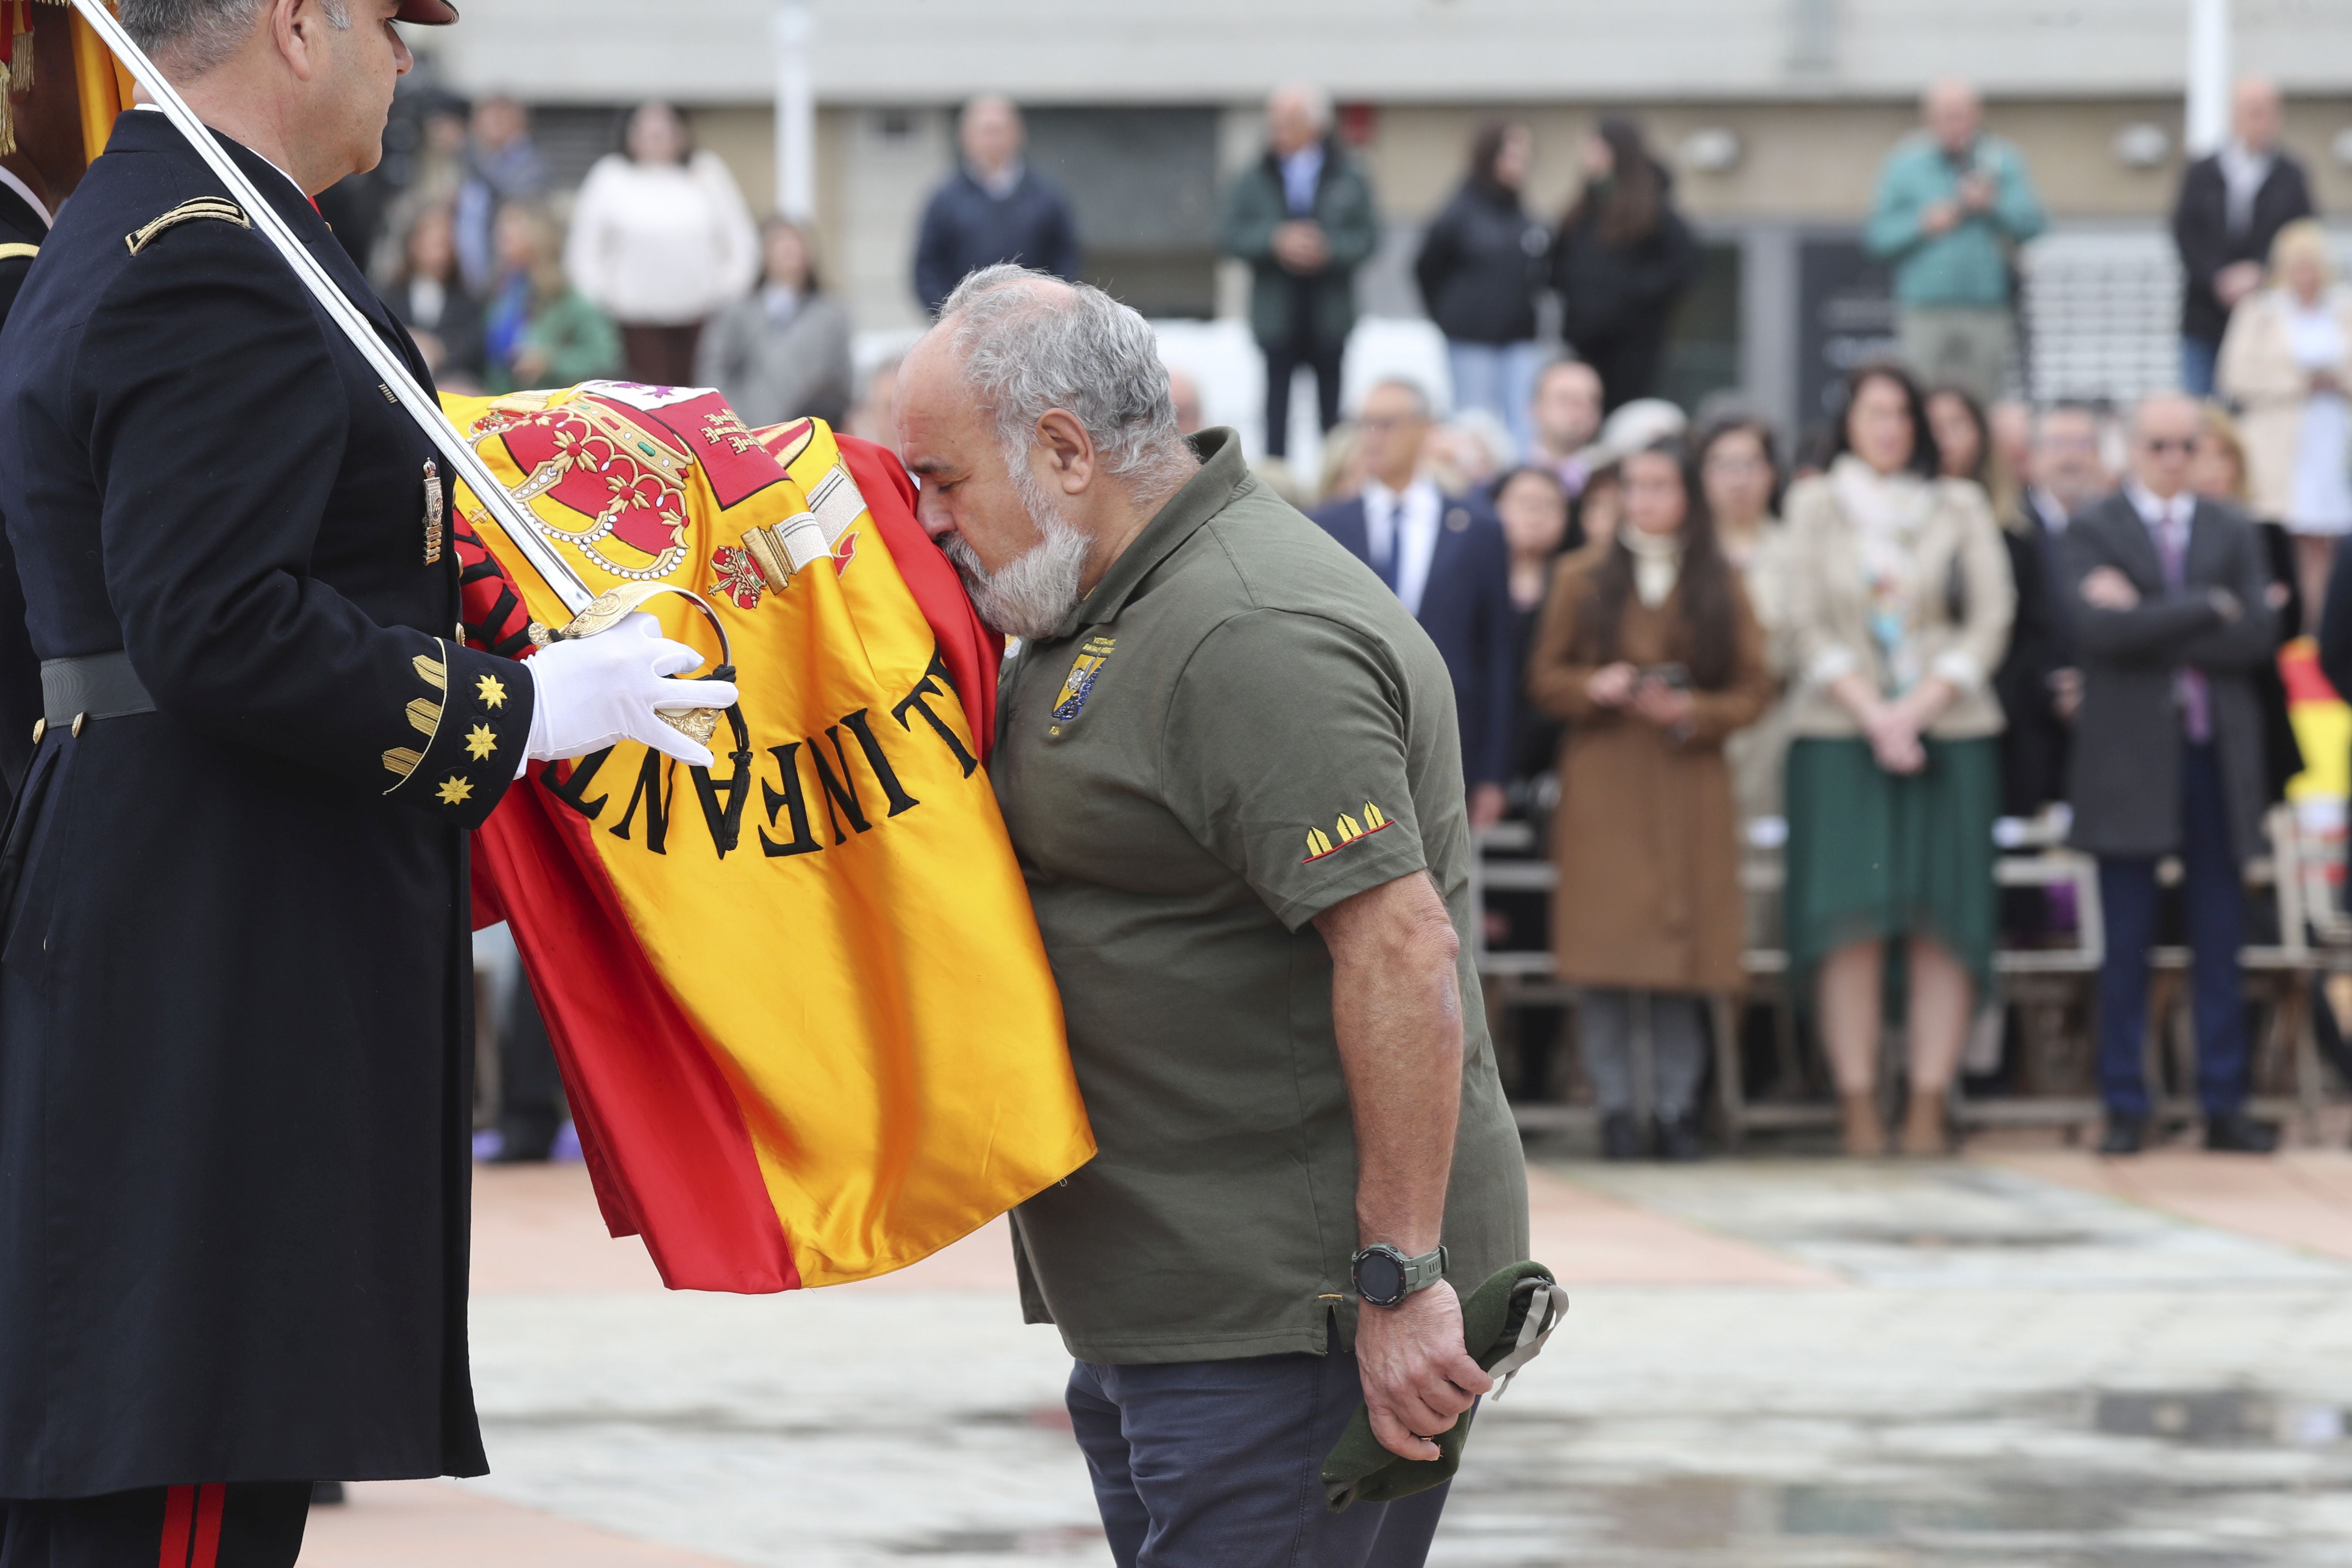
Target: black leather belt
{"type": "Point", "coordinates": [97, 685]}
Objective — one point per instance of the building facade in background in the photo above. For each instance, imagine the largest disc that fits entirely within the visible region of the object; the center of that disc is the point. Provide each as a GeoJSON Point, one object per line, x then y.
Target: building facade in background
{"type": "Point", "coordinates": [1775, 115]}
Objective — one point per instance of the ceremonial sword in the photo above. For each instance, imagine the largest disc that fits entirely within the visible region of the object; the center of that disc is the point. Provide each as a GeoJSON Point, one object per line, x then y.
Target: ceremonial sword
{"type": "Point", "coordinates": [592, 612]}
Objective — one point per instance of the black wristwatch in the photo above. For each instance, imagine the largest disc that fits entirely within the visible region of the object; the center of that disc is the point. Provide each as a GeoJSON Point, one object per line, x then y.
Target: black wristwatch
{"type": "Point", "coordinates": [1384, 1277]}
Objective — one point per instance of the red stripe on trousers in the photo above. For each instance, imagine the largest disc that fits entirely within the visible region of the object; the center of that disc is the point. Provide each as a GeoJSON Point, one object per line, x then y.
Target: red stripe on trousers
{"type": "Point", "coordinates": [178, 1514]}
{"type": "Point", "coordinates": [204, 1550]}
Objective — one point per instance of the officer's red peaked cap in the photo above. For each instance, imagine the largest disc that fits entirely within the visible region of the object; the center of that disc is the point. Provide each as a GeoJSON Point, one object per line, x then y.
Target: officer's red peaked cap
{"type": "Point", "coordinates": [432, 12]}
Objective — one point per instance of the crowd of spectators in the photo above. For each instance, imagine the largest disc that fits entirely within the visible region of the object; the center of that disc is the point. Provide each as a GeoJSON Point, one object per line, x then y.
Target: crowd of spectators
{"type": "Point", "coordinates": [1671, 646]}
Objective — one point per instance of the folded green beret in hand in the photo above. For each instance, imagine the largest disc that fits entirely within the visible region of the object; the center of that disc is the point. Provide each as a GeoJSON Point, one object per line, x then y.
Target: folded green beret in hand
{"type": "Point", "coordinates": [1504, 1322]}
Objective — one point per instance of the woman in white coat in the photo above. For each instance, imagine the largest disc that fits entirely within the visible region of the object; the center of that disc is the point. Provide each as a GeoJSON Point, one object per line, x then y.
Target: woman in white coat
{"type": "Point", "coordinates": [2286, 362]}
{"type": "Point", "coordinates": [660, 242]}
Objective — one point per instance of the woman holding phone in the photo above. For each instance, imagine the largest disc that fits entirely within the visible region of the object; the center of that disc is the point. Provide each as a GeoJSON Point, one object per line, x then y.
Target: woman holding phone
{"type": "Point", "coordinates": [1648, 649]}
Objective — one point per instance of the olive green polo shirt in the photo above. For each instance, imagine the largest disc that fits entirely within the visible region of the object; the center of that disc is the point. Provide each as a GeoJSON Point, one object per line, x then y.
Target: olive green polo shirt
{"type": "Point", "coordinates": [1238, 729]}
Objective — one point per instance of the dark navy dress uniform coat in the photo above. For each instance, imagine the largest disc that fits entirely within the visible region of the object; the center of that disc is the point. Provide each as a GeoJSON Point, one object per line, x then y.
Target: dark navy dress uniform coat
{"type": "Point", "coordinates": [234, 982]}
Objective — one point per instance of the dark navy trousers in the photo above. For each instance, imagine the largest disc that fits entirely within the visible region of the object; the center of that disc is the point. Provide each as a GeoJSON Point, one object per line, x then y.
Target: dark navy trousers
{"type": "Point", "coordinates": [1216, 1464]}
{"type": "Point", "coordinates": [2214, 901]}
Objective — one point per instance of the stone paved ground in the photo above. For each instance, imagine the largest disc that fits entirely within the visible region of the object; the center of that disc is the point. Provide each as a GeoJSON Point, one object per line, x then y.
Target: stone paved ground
{"type": "Point", "coordinates": [2030, 1359]}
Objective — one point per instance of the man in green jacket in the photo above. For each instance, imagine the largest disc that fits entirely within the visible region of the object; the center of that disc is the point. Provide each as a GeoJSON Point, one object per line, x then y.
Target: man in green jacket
{"type": "Point", "coordinates": [1953, 203]}
{"type": "Point", "coordinates": [1304, 218]}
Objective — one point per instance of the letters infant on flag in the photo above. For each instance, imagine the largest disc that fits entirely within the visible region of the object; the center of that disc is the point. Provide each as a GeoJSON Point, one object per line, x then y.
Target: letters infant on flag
{"type": "Point", "coordinates": [816, 1038]}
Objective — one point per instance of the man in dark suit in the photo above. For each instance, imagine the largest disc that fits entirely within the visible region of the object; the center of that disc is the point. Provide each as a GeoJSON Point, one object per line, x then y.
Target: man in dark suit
{"type": "Point", "coordinates": [2172, 619]}
{"type": "Point", "coordinates": [2231, 206]}
{"type": "Point", "coordinates": [993, 209]}
{"type": "Point", "coordinates": [235, 980]}
{"type": "Point", "coordinates": [1444, 556]}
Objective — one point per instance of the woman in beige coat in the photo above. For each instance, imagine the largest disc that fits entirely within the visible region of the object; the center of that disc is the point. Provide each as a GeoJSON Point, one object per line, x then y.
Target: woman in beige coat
{"type": "Point", "coordinates": [1648, 649]}
{"type": "Point", "coordinates": [1899, 601]}
{"type": "Point", "coordinates": [2286, 362]}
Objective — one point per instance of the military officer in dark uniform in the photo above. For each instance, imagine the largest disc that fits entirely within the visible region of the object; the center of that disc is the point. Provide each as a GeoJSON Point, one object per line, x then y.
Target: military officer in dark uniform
{"type": "Point", "coordinates": [234, 978]}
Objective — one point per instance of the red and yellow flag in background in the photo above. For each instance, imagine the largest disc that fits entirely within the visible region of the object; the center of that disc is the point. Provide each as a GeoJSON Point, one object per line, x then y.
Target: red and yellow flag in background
{"type": "Point", "coordinates": [803, 1014]}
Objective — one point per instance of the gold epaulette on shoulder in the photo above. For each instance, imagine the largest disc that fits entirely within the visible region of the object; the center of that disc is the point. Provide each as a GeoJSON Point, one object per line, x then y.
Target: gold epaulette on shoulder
{"type": "Point", "coordinates": [218, 208]}
{"type": "Point", "coordinates": [10, 252]}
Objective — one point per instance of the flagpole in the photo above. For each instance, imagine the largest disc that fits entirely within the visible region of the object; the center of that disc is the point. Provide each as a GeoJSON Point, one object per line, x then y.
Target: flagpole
{"type": "Point", "coordinates": [464, 462]}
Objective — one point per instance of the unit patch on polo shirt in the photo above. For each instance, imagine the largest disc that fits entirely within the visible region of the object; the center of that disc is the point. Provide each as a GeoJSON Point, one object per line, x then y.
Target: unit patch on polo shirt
{"type": "Point", "coordinates": [1079, 684]}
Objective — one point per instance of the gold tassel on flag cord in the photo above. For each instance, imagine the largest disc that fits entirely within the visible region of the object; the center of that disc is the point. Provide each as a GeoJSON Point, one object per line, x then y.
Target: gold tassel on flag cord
{"type": "Point", "coordinates": [16, 55]}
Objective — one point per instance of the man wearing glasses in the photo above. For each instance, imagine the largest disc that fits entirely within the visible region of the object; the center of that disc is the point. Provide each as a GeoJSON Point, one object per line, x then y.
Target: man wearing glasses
{"type": "Point", "coordinates": [2172, 621]}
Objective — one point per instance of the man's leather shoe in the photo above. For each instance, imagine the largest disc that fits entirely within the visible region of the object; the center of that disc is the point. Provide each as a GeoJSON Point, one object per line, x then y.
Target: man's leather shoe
{"type": "Point", "coordinates": [2125, 1135]}
{"type": "Point", "coordinates": [1679, 1140]}
{"type": "Point", "coordinates": [1620, 1136]}
{"type": "Point", "coordinates": [2235, 1132]}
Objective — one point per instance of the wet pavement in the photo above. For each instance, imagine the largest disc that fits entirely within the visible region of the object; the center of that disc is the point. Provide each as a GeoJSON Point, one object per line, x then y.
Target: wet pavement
{"type": "Point", "coordinates": [1830, 1364]}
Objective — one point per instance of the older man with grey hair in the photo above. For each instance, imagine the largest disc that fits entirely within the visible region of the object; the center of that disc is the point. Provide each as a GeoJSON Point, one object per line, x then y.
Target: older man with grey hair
{"type": "Point", "coordinates": [1228, 759]}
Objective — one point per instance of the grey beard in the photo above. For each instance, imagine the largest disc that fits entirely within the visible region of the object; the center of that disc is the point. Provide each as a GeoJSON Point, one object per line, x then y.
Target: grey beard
{"type": "Point", "coordinates": [1033, 596]}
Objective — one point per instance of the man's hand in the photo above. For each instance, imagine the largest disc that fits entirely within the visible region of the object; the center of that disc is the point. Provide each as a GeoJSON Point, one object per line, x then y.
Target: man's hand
{"type": "Point", "coordinates": [1300, 244]}
{"type": "Point", "coordinates": [1976, 193]}
{"type": "Point", "coordinates": [2237, 280]}
{"type": "Point", "coordinates": [2066, 693]}
{"type": "Point", "coordinates": [1396, 1009]}
{"type": "Point", "coordinates": [2108, 589]}
{"type": "Point", "coordinates": [1938, 217]}
{"type": "Point", "coordinates": [1487, 803]}
{"type": "Point", "coordinates": [1418, 1378]}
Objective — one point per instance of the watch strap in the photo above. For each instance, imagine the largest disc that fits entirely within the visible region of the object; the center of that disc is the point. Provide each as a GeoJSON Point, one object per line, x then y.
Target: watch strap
{"type": "Point", "coordinates": [1420, 1273]}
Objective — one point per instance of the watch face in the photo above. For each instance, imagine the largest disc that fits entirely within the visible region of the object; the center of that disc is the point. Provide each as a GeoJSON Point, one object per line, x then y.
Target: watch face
{"type": "Point", "coordinates": [1380, 1278]}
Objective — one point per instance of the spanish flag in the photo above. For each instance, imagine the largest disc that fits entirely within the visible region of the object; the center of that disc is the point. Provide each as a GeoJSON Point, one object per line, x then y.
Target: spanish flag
{"type": "Point", "coordinates": [802, 1012]}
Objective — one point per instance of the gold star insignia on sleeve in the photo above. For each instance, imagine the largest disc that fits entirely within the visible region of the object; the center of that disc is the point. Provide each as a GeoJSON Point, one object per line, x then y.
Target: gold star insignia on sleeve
{"type": "Point", "coordinates": [492, 690]}
{"type": "Point", "coordinates": [480, 741]}
{"type": "Point", "coordinates": [454, 791]}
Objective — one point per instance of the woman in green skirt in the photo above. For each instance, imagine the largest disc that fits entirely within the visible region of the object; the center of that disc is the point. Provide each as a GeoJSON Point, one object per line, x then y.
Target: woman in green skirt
{"type": "Point", "coordinates": [1899, 601]}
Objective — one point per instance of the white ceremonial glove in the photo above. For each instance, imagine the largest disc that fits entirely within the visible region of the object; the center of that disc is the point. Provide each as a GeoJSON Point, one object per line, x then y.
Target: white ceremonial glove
{"type": "Point", "coordinates": [609, 687]}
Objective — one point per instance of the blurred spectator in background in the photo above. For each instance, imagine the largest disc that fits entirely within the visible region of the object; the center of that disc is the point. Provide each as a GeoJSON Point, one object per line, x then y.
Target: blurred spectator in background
{"type": "Point", "coordinates": [1469, 452]}
{"type": "Point", "coordinates": [2217, 472]}
{"type": "Point", "coordinates": [1533, 507]}
{"type": "Point", "coordinates": [2034, 743]}
{"type": "Point", "coordinates": [1481, 270]}
{"type": "Point", "coordinates": [2068, 467]}
{"type": "Point", "coordinates": [539, 330]}
{"type": "Point", "coordinates": [1564, 420]}
{"type": "Point", "coordinates": [1445, 558]}
{"type": "Point", "coordinates": [1741, 481]}
{"type": "Point", "coordinates": [661, 241]}
{"type": "Point", "coordinates": [2286, 362]}
{"type": "Point", "coordinates": [532, 1109]}
{"type": "Point", "coordinates": [501, 166]}
{"type": "Point", "coordinates": [1341, 477]}
{"type": "Point", "coordinates": [1303, 218]}
{"type": "Point", "coordinates": [431, 299]}
{"type": "Point", "coordinates": [1185, 393]}
{"type": "Point", "coordinates": [2232, 205]}
{"type": "Point", "coordinates": [993, 209]}
{"type": "Point", "coordinates": [2173, 616]}
{"type": "Point", "coordinates": [1953, 203]}
{"type": "Point", "coordinates": [2011, 423]}
{"type": "Point", "coordinates": [1622, 259]}
{"type": "Point", "coordinates": [875, 416]}
{"type": "Point", "coordinates": [1899, 602]}
{"type": "Point", "coordinates": [1599, 507]}
{"type": "Point", "coordinates": [1649, 650]}
{"type": "Point", "coordinates": [783, 351]}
